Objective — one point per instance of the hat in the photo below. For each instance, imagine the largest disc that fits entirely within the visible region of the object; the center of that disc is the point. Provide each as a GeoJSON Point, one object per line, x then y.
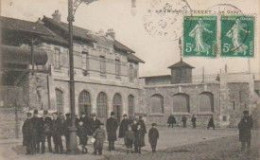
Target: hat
{"type": "Point", "coordinates": [93, 114]}
{"type": "Point", "coordinates": [67, 114]}
{"type": "Point", "coordinates": [125, 115]}
{"type": "Point", "coordinates": [45, 112]}
{"type": "Point", "coordinates": [112, 113]}
{"type": "Point", "coordinates": [154, 124]}
{"type": "Point", "coordinates": [56, 113]}
{"type": "Point", "coordinates": [246, 112]}
{"type": "Point", "coordinates": [35, 111]}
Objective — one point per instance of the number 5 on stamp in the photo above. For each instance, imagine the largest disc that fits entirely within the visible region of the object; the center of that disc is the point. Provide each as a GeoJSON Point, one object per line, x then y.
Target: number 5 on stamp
{"type": "Point", "coordinates": [237, 36]}
{"type": "Point", "coordinates": [200, 36]}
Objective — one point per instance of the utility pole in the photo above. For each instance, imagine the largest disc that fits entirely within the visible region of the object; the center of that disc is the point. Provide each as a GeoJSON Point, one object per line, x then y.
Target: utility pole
{"type": "Point", "coordinates": [73, 129]}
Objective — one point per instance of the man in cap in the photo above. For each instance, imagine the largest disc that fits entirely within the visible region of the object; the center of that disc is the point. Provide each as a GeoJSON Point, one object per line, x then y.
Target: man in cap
{"type": "Point", "coordinates": [153, 136]}
{"type": "Point", "coordinates": [46, 131]}
{"type": "Point", "coordinates": [67, 125]}
{"type": "Point", "coordinates": [57, 132]}
{"type": "Point", "coordinates": [111, 127]}
{"type": "Point", "coordinates": [93, 123]}
{"type": "Point", "coordinates": [27, 133]}
{"type": "Point", "coordinates": [245, 125]}
{"type": "Point", "coordinates": [100, 137]}
{"type": "Point", "coordinates": [36, 132]}
{"type": "Point", "coordinates": [123, 126]}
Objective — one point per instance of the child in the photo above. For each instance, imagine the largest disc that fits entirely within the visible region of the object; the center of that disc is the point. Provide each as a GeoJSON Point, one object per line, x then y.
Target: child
{"type": "Point", "coordinates": [129, 139]}
{"type": "Point", "coordinates": [83, 136]}
{"type": "Point", "coordinates": [138, 139]}
{"type": "Point", "coordinates": [100, 137]}
{"type": "Point", "coordinates": [153, 137]}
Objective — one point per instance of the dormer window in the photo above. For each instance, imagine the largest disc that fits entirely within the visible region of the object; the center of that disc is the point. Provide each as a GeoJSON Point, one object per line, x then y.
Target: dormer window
{"type": "Point", "coordinates": [57, 58]}
{"type": "Point", "coordinates": [85, 56]}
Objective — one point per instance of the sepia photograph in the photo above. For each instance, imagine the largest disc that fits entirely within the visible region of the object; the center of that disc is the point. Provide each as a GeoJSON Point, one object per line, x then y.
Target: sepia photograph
{"type": "Point", "coordinates": [129, 80]}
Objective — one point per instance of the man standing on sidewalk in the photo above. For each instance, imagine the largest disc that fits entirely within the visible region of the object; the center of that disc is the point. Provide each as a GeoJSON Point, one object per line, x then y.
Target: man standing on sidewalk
{"type": "Point", "coordinates": [27, 133]}
{"type": "Point", "coordinates": [245, 125]}
{"type": "Point", "coordinates": [111, 127]}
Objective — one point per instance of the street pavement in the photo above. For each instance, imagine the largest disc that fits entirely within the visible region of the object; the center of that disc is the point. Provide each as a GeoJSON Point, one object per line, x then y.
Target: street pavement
{"type": "Point", "coordinates": [169, 138]}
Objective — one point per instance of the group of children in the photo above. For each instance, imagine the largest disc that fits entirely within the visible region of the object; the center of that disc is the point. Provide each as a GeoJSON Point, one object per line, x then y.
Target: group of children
{"type": "Point", "coordinates": [134, 136]}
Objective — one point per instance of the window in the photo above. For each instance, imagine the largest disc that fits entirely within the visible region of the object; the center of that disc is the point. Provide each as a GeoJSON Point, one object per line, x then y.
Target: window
{"type": "Point", "coordinates": [181, 103]}
{"type": "Point", "coordinates": [206, 102]}
{"type": "Point", "coordinates": [157, 104]}
{"type": "Point", "coordinates": [131, 73]}
{"type": "Point", "coordinates": [131, 106]}
{"type": "Point", "coordinates": [57, 58]}
{"type": "Point", "coordinates": [102, 64]}
{"type": "Point", "coordinates": [84, 103]}
{"type": "Point", "coordinates": [117, 106]}
{"type": "Point", "coordinates": [59, 100]}
{"type": "Point", "coordinates": [102, 105]}
{"type": "Point", "coordinates": [85, 59]}
{"type": "Point", "coordinates": [117, 68]}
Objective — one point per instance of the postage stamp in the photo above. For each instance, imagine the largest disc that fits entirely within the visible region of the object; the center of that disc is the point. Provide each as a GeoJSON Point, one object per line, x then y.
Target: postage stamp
{"type": "Point", "coordinates": [200, 36]}
{"type": "Point", "coordinates": [237, 36]}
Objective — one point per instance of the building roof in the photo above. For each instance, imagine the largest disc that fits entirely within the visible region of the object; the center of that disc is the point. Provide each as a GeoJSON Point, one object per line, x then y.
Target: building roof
{"type": "Point", "coordinates": [24, 26]}
{"type": "Point", "coordinates": [31, 28]}
{"type": "Point", "coordinates": [87, 35]}
{"type": "Point", "coordinates": [180, 64]}
{"type": "Point", "coordinates": [78, 32]}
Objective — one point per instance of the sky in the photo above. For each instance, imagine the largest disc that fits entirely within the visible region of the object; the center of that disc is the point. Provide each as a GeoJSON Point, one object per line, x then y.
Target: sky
{"type": "Point", "coordinates": [158, 52]}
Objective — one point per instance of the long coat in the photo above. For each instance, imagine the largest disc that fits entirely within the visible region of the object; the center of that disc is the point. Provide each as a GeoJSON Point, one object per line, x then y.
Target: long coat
{"type": "Point", "coordinates": [245, 126]}
{"type": "Point", "coordinates": [27, 132]}
{"type": "Point", "coordinates": [139, 138]}
{"type": "Point", "coordinates": [143, 131]}
{"type": "Point", "coordinates": [93, 125]}
{"type": "Point", "coordinates": [83, 135]}
{"type": "Point", "coordinates": [171, 120]}
{"type": "Point", "coordinates": [111, 127]}
{"type": "Point", "coordinates": [123, 127]}
{"type": "Point", "coordinates": [37, 130]}
{"type": "Point", "coordinates": [153, 136]}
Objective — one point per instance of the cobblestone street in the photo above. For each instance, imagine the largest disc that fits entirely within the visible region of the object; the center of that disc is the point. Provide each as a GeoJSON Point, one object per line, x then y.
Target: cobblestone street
{"type": "Point", "coordinates": [176, 143]}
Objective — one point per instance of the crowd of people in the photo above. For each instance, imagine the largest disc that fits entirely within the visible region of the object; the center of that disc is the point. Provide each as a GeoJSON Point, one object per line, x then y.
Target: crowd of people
{"type": "Point", "coordinates": [37, 130]}
{"type": "Point", "coordinates": [51, 128]}
{"type": "Point", "coordinates": [172, 121]}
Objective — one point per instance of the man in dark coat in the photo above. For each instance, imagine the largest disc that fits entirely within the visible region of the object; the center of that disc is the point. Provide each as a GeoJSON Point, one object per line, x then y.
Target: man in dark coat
{"type": "Point", "coordinates": [36, 132]}
{"type": "Point", "coordinates": [153, 137]}
{"type": "Point", "coordinates": [67, 125]}
{"type": "Point", "coordinates": [123, 126]}
{"type": "Point", "coordinates": [111, 127]}
{"type": "Point", "coordinates": [171, 120]}
{"type": "Point", "coordinates": [193, 121]}
{"type": "Point", "coordinates": [57, 132]}
{"type": "Point", "coordinates": [27, 133]}
{"type": "Point", "coordinates": [93, 124]}
{"type": "Point", "coordinates": [245, 125]}
{"type": "Point", "coordinates": [184, 121]}
{"type": "Point", "coordinates": [211, 123]}
{"type": "Point", "coordinates": [139, 138]}
{"type": "Point", "coordinates": [47, 131]}
{"type": "Point", "coordinates": [143, 127]}
{"type": "Point", "coordinates": [83, 136]}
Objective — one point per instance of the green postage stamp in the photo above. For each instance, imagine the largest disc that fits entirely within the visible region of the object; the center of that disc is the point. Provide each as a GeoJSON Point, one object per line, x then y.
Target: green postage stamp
{"type": "Point", "coordinates": [237, 36]}
{"type": "Point", "coordinates": [200, 36]}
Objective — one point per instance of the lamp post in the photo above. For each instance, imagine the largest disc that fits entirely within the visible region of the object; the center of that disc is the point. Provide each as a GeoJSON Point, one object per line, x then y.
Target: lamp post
{"type": "Point", "coordinates": [72, 7]}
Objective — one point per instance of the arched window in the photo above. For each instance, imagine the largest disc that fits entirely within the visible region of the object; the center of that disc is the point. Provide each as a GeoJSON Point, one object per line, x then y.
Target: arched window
{"type": "Point", "coordinates": [131, 106]}
{"type": "Point", "coordinates": [157, 104]}
{"type": "Point", "coordinates": [59, 100]}
{"type": "Point", "coordinates": [206, 102]}
{"type": "Point", "coordinates": [102, 105]}
{"type": "Point", "coordinates": [84, 103]}
{"type": "Point", "coordinates": [181, 103]}
{"type": "Point", "coordinates": [117, 105]}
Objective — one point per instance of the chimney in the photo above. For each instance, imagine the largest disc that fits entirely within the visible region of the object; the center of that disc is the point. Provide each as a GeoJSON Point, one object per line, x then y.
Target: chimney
{"type": "Point", "coordinates": [56, 16]}
{"type": "Point", "coordinates": [110, 32]}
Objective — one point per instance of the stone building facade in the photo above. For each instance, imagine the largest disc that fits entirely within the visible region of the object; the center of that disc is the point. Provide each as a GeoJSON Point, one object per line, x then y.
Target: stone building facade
{"type": "Point", "coordinates": [224, 96]}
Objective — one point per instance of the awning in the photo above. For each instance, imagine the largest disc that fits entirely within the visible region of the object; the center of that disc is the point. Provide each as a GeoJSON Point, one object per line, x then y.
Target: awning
{"type": "Point", "coordinates": [22, 56]}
